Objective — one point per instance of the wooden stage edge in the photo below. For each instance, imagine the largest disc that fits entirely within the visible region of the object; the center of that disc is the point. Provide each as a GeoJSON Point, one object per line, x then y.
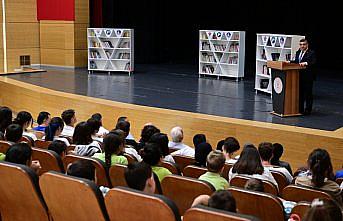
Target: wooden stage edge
{"type": "Point", "coordinates": [25, 71]}
{"type": "Point", "coordinates": [298, 142]}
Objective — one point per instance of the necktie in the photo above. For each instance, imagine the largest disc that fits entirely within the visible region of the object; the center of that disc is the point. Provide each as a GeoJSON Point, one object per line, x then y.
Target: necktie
{"type": "Point", "coordinates": [301, 56]}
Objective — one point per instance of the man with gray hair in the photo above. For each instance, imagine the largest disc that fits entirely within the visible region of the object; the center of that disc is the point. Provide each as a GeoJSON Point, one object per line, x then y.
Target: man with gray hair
{"type": "Point", "coordinates": [176, 134]}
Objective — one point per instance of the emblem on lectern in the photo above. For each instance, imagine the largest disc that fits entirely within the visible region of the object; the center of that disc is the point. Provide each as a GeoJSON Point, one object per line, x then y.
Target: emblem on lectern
{"type": "Point", "coordinates": [278, 86]}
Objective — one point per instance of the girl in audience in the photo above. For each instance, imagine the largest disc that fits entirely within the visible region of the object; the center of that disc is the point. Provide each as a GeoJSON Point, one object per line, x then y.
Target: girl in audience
{"type": "Point", "coordinates": [13, 133]}
{"type": "Point", "coordinates": [249, 164]}
{"type": "Point", "coordinates": [220, 145]}
{"type": "Point", "coordinates": [153, 156]}
{"type": "Point", "coordinates": [5, 120]}
{"type": "Point", "coordinates": [113, 147]}
{"type": "Point", "coordinates": [201, 152]}
{"type": "Point", "coordinates": [102, 131]}
{"type": "Point", "coordinates": [162, 141]}
{"type": "Point", "coordinates": [323, 209]}
{"type": "Point", "coordinates": [147, 132]}
{"type": "Point", "coordinates": [58, 147]}
{"type": "Point", "coordinates": [230, 147]}
{"type": "Point", "coordinates": [24, 119]}
{"type": "Point", "coordinates": [85, 146]}
{"type": "Point", "coordinates": [43, 121]}
{"type": "Point", "coordinates": [128, 148]}
{"type": "Point", "coordinates": [198, 139]}
{"type": "Point", "coordinates": [221, 199]}
{"type": "Point", "coordinates": [320, 174]}
{"type": "Point", "coordinates": [95, 126]}
{"type": "Point", "coordinates": [54, 130]}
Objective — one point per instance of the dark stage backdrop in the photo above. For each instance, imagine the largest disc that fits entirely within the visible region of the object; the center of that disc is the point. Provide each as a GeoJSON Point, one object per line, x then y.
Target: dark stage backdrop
{"type": "Point", "coordinates": [166, 31]}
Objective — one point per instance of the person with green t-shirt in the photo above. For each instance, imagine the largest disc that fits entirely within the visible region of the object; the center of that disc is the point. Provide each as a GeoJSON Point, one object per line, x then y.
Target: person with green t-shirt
{"type": "Point", "coordinates": [2, 157]}
{"type": "Point", "coordinates": [153, 156]}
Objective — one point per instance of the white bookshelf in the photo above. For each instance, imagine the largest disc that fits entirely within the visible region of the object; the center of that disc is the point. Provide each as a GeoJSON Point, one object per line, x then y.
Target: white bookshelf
{"type": "Point", "coordinates": [110, 50]}
{"type": "Point", "coordinates": [268, 46]}
{"type": "Point", "coordinates": [221, 53]}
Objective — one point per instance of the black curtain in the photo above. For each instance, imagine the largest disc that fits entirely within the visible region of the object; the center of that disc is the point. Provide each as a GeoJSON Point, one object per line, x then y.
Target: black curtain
{"type": "Point", "coordinates": [166, 31]}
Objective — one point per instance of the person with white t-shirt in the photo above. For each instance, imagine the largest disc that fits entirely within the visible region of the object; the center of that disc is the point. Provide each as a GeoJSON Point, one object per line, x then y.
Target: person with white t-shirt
{"type": "Point", "coordinates": [230, 147]}
{"type": "Point", "coordinates": [177, 136]}
{"type": "Point", "coordinates": [25, 120]}
{"type": "Point", "coordinates": [69, 119]}
{"type": "Point", "coordinates": [265, 150]}
{"type": "Point", "coordinates": [102, 131]}
{"type": "Point", "coordinates": [123, 118]}
{"type": "Point", "coordinates": [249, 164]}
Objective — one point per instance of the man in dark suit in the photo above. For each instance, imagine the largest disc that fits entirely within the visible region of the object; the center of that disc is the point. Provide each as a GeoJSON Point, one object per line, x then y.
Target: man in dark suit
{"type": "Point", "coordinates": [307, 58]}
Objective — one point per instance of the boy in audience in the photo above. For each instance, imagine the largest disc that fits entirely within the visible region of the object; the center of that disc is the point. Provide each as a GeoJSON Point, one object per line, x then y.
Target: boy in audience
{"type": "Point", "coordinates": [230, 147]}
{"type": "Point", "coordinates": [277, 153]}
{"type": "Point", "coordinates": [125, 126]}
{"type": "Point", "coordinates": [153, 156]}
{"type": "Point", "coordinates": [86, 170]}
{"type": "Point", "coordinates": [58, 147]}
{"type": "Point", "coordinates": [265, 150]}
{"type": "Point", "coordinates": [43, 121]}
{"type": "Point", "coordinates": [139, 176]}
{"type": "Point", "coordinates": [13, 133]}
{"type": "Point", "coordinates": [21, 153]}
{"type": "Point", "coordinates": [221, 199]}
{"type": "Point", "coordinates": [198, 139]}
{"type": "Point", "coordinates": [69, 119]}
{"type": "Point", "coordinates": [177, 136]}
{"type": "Point", "coordinates": [123, 118]}
{"type": "Point", "coordinates": [215, 165]}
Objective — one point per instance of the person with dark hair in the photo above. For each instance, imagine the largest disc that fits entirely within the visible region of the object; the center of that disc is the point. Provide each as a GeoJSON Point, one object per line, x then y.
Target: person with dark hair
{"type": "Point", "coordinates": [162, 141]}
{"type": "Point", "coordinates": [221, 199]}
{"type": "Point", "coordinates": [24, 119]}
{"type": "Point", "coordinates": [5, 120]}
{"type": "Point", "coordinates": [320, 174]}
{"type": "Point", "coordinates": [54, 130]}
{"type": "Point", "coordinates": [139, 176]}
{"type": "Point", "coordinates": [250, 164]}
{"type": "Point", "coordinates": [230, 147]}
{"type": "Point", "coordinates": [201, 152]}
{"type": "Point", "coordinates": [147, 132]}
{"type": "Point", "coordinates": [305, 57]}
{"type": "Point", "coordinates": [153, 156]}
{"type": "Point", "coordinates": [85, 146]}
{"type": "Point", "coordinates": [254, 184]}
{"type": "Point", "coordinates": [95, 126]}
{"type": "Point", "coordinates": [176, 134]}
{"type": "Point", "coordinates": [265, 149]}
{"type": "Point", "coordinates": [58, 147]}
{"type": "Point", "coordinates": [13, 133]}
{"type": "Point", "coordinates": [220, 145]}
{"type": "Point", "coordinates": [102, 131]}
{"type": "Point", "coordinates": [21, 153]}
{"type": "Point", "coordinates": [125, 126]}
{"type": "Point", "coordinates": [198, 139]}
{"type": "Point", "coordinates": [215, 165]}
{"type": "Point", "coordinates": [324, 210]}
{"type": "Point", "coordinates": [69, 118]}
{"type": "Point", "coordinates": [43, 121]}
{"type": "Point", "coordinates": [123, 118]}
{"type": "Point", "coordinates": [113, 147]}
{"type": "Point", "coordinates": [128, 149]}
{"type": "Point", "coordinates": [277, 153]}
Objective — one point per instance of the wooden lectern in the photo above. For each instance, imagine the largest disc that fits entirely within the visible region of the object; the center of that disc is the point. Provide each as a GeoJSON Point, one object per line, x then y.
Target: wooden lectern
{"type": "Point", "coordinates": [285, 83]}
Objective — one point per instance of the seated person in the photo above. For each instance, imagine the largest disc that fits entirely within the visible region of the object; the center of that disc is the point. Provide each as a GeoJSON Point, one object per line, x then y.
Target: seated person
{"type": "Point", "coordinates": [102, 131]}
{"type": "Point", "coordinates": [86, 170]}
{"type": "Point", "coordinates": [113, 147]}
{"type": "Point", "coordinates": [147, 131]}
{"type": "Point", "coordinates": [69, 119]}
{"type": "Point", "coordinates": [85, 146]}
{"type": "Point", "coordinates": [58, 147]}
{"type": "Point", "coordinates": [125, 126]}
{"type": "Point", "coordinates": [123, 118]}
{"type": "Point", "coordinates": [95, 127]}
{"type": "Point", "coordinates": [25, 120]}
{"type": "Point", "coordinates": [249, 164]}
{"type": "Point", "coordinates": [13, 133]}
{"type": "Point", "coordinates": [221, 199]}
{"type": "Point", "coordinates": [201, 152]}
{"type": "Point", "coordinates": [215, 165]}
{"type": "Point", "coordinates": [2, 157]}
{"type": "Point", "coordinates": [139, 176]}
{"type": "Point", "coordinates": [54, 130]}
{"type": "Point", "coordinates": [128, 149]}
{"type": "Point", "coordinates": [162, 141]}
{"type": "Point", "coordinates": [265, 150]}
{"type": "Point", "coordinates": [220, 145]}
{"type": "Point", "coordinates": [43, 121]}
{"type": "Point", "coordinates": [320, 175]}
{"type": "Point", "coordinates": [230, 147]}
{"type": "Point", "coordinates": [323, 209]}
{"type": "Point", "coordinates": [5, 120]}
{"type": "Point", "coordinates": [257, 185]}
{"type": "Point", "coordinates": [21, 153]}
{"type": "Point", "coordinates": [277, 153]}
{"type": "Point", "coordinates": [339, 174]}
{"type": "Point", "coordinates": [198, 139]}
{"type": "Point", "coordinates": [176, 143]}
{"type": "Point", "coordinates": [153, 156]}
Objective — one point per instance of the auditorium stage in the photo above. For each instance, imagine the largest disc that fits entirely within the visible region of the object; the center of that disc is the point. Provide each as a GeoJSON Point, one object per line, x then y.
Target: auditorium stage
{"type": "Point", "coordinates": [178, 87]}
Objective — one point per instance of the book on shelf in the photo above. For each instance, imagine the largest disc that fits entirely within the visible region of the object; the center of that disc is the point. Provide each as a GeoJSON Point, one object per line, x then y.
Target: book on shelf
{"type": "Point", "coordinates": [219, 47]}
{"type": "Point", "coordinates": [92, 65]}
{"type": "Point", "coordinates": [124, 56]}
{"type": "Point", "coordinates": [205, 46]}
{"type": "Point", "coordinates": [288, 57]}
{"type": "Point", "coordinates": [263, 54]}
{"type": "Point", "coordinates": [107, 44]}
{"type": "Point", "coordinates": [264, 83]}
{"type": "Point", "coordinates": [233, 59]}
{"type": "Point", "coordinates": [275, 56]}
{"type": "Point", "coordinates": [96, 44]}
{"type": "Point", "coordinates": [265, 70]}
{"type": "Point", "coordinates": [208, 69]}
{"type": "Point", "coordinates": [203, 36]}
{"type": "Point", "coordinates": [95, 54]}
{"type": "Point", "coordinates": [207, 57]}
{"type": "Point", "coordinates": [234, 47]}
{"type": "Point", "coordinates": [108, 54]}
{"type": "Point", "coordinates": [124, 44]}
{"type": "Point", "coordinates": [127, 66]}
{"type": "Point", "coordinates": [126, 34]}
{"type": "Point", "coordinates": [235, 36]}
{"type": "Point", "coordinates": [92, 33]}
